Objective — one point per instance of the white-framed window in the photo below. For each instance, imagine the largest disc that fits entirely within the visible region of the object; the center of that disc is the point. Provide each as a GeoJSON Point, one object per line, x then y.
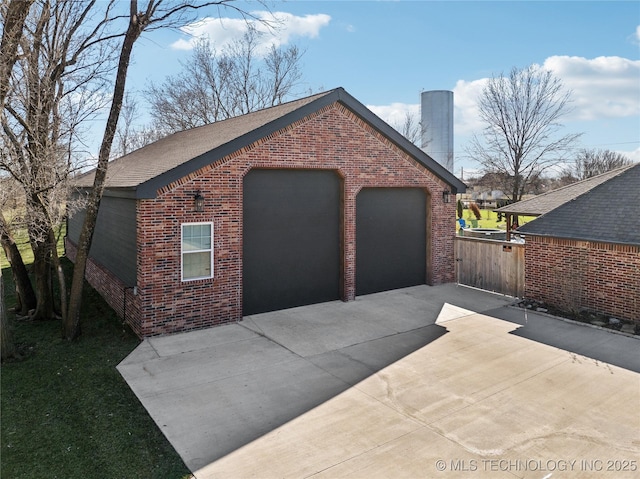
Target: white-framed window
{"type": "Point", "coordinates": [197, 251]}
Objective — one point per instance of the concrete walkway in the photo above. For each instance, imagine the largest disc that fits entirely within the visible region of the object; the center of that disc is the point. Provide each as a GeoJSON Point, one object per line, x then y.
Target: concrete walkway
{"type": "Point", "coordinates": [439, 381]}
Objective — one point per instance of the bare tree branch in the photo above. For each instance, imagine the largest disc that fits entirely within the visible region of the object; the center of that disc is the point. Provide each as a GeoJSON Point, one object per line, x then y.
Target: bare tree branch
{"type": "Point", "coordinates": [218, 85]}
{"type": "Point", "coordinates": [13, 19]}
{"type": "Point", "coordinates": [522, 134]}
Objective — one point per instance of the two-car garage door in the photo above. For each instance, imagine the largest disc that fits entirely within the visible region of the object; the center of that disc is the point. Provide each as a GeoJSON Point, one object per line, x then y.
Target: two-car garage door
{"type": "Point", "coordinates": [292, 248]}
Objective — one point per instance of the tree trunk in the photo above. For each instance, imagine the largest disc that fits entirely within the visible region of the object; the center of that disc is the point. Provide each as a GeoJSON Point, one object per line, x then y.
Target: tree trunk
{"type": "Point", "coordinates": [7, 348]}
{"type": "Point", "coordinates": [71, 324]}
{"type": "Point", "coordinates": [60, 272]}
{"type": "Point", "coordinates": [40, 234]}
{"type": "Point", "coordinates": [16, 13]}
{"type": "Point", "coordinates": [24, 288]}
{"type": "Point", "coordinates": [45, 309]}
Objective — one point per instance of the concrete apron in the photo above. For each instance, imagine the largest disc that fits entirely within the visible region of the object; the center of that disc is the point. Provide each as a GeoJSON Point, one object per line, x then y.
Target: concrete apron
{"type": "Point", "coordinates": [408, 383]}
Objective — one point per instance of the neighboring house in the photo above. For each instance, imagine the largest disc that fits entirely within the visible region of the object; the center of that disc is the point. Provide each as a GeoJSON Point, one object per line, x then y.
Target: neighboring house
{"type": "Point", "coordinates": [544, 203]}
{"type": "Point", "coordinates": [313, 200]}
{"type": "Point", "coordinates": [584, 253]}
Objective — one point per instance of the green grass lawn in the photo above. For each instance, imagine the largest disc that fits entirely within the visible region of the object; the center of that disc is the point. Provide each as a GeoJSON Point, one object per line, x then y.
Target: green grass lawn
{"type": "Point", "coordinates": [66, 411]}
{"type": "Point", "coordinates": [490, 220]}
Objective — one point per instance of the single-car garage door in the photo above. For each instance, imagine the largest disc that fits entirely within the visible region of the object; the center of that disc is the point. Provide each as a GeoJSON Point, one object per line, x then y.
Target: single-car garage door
{"type": "Point", "coordinates": [390, 239]}
{"type": "Point", "coordinates": [291, 239]}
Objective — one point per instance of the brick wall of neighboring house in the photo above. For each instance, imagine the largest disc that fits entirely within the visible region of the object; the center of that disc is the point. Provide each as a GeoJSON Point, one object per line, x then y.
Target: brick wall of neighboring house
{"type": "Point", "coordinates": [111, 289]}
{"type": "Point", "coordinates": [332, 138]}
{"type": "Point", "coordinates": [575, 275]}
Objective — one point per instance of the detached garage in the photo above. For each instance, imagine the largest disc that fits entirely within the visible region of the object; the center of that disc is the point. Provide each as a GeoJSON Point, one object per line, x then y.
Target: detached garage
{"type": "Point", "coordinates": [310, 201]}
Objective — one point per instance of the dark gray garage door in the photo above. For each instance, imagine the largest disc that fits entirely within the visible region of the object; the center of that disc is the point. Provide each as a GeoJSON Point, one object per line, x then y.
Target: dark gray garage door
{"type": "Point", "coordinates": [291, 239]}
{"type": "Point", "coordinates": [390, 239]}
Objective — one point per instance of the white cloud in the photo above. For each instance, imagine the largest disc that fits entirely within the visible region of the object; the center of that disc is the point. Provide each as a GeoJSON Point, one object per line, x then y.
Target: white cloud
{"type": "Point", "coordinates": [602, 87]}
{"type": "Point", "coordinates": [223, 31]}
{"type": "Point", "coordinates": [637, 34]}
{"type": "Point", "coordinates": [633, 155]}
{"type": "Point", "coordinates": [466, 119]}
{"type": "Point", "coordinates": [396, 113]}
{"type": "Point", "coordinates": [465, 116]}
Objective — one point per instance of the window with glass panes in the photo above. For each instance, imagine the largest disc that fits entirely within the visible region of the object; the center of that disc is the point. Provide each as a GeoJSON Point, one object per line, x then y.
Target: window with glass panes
{"type": "Point", "coordinates": [197, 251]}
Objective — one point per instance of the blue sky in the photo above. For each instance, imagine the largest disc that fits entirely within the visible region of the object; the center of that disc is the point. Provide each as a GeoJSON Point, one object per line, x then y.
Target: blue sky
{"type": "Point", "coordinates": [385, 53]}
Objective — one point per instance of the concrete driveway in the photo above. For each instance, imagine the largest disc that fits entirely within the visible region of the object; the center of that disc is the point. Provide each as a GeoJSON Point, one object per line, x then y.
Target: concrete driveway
{"type": "Point", "coordinates": [442, 381]}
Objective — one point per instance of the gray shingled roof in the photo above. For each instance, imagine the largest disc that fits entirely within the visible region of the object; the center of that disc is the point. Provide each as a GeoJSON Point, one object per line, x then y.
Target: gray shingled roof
{"type": "Point", "coordinates": [175, 156]}
{"type": "Point", "coordinates": [541, 204]}
{"type": "Point", "coordinates": [607, 213]}
{"type": "Point", "coordinates": [174, 150]}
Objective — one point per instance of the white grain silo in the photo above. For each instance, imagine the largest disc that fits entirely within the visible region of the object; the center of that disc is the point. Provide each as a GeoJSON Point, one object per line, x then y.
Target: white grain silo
{"type": "Point", "coordinates": [437, 126]}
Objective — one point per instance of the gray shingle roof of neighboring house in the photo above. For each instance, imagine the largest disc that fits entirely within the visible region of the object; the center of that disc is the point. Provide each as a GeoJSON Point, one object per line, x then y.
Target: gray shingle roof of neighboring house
{"type": "Point", "coordinates": [608, 212]}
{"type": "Point", "coordinates": [175, 156]}
{"type": "Point", "coordinates": [541, 204]}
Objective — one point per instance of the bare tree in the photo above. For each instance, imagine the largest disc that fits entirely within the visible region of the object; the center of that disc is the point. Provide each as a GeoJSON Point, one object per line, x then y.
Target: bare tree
{"type": "Point", "coordinates": [135, 138]}
{"type": "Point", "coordinates": [25, 295]}
{"type": "Point", "coordinates": [11, 209]}
{"type": "Point", "coordinates": [216, 85]}
{"type": "Point", "coordinates": [130, 137]}
{"type": "Point", "coordinates": [51, 90]}
{"type": "Point", "coordinates": [48, 91]}
{"type": "Point", "coordinates": [13, 15]}
{"type": "Point", "coordinates": [590, 163]}
{"type": "Point", "coordinates": [521, 137]}
{"type": "Point", "coordinates": [155, 14]}
{"type": "Point", "coordinates": [412, 129]}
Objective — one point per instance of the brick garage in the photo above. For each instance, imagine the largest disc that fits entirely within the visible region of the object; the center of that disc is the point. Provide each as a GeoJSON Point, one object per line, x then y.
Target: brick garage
{"type": "Point", "coordinates": [170, 268]}
{"type": "Point", "coordinates": [585, 254]}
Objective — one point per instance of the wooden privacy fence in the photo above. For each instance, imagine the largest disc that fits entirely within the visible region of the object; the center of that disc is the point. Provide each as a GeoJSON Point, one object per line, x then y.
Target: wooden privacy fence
{"type": "Point", "coordinates": [492, 265]}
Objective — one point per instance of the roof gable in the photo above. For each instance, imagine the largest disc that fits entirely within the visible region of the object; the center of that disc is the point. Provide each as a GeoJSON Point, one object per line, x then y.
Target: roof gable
{"type": "Point", "coordinates": [607, 213]}
{"type": "Point", "coordinates": [167, 160]}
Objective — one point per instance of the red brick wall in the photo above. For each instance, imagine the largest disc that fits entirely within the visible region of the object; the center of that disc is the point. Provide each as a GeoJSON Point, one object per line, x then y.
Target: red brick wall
{"type": "Point", "coordinates": [575, 275]}
{"type": "Point", "coordinates": [111, 289]}
{"type": "Point", "coordinates": [333, 138]}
